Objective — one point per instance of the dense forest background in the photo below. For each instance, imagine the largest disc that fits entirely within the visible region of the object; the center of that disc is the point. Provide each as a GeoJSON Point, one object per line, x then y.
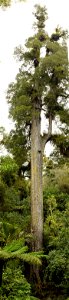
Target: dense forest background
{"type": "Point", "coordinates": [15, 238]}
{"type": "Point", "coordinates": [24, 273]}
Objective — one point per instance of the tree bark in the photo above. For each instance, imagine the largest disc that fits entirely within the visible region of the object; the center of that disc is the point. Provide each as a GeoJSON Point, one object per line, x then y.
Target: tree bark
{"type": "Point", "coordinates": [36, 182]}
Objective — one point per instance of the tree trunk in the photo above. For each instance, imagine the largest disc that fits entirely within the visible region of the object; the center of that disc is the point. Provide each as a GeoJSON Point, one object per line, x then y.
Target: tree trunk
{"type": "Point", "coordinates": [36, 182]}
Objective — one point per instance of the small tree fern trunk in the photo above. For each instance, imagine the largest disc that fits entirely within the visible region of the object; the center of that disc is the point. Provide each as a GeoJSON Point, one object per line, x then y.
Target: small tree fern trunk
{"type": "Point", "coordinates": [36, 182]}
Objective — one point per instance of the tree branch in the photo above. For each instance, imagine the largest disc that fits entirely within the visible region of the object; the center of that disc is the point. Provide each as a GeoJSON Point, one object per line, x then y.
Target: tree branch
{"type": "Point", "coordinates": [47, 136]}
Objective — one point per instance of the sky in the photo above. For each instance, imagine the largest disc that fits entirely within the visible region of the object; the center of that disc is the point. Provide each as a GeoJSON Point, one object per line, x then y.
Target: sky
{"type": "Point", "coordinates": [15, 26]}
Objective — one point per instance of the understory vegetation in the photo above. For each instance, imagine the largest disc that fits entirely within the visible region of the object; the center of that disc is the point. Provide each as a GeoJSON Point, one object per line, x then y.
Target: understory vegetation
{"type": "Point", "coordinates": [16, 258]}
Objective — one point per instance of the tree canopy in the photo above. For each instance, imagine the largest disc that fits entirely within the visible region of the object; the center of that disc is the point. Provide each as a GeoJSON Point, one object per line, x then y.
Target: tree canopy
{"type": "Point", "coordinates": [43, 77]}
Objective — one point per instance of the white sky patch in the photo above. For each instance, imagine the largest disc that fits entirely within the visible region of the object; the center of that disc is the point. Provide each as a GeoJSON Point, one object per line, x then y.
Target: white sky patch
{"type": "Point", "coordinates": [15, 26]}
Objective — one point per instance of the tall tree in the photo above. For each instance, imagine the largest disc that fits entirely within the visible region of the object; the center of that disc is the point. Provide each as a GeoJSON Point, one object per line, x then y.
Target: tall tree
{"type": "Point", "coordinates": [41, 85]}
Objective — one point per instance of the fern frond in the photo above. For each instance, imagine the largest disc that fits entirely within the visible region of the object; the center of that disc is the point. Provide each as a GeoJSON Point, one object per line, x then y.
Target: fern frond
{"type": "Point", "coordinates": [31, 258]}
{"type": "Point", "coordinates": [14, 245]}
{"type": "Point", "coordinates": [17, 249]}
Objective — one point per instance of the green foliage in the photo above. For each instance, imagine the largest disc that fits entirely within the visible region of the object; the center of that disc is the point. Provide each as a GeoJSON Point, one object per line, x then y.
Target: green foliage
{"type": "Point", "coordinates": [17, 143]}
{"type": "Point", "coordinates": [14, 201]}
{"type": "Point", "coordinates": [56, 230]}
{"type": "Point", "coordinates": [61, 151]}
{"type": "Point", "coordinates": [2, 191]}
{"type": "Point", "coordinates": [8, 170]}
{"type": "Point", "coordinates": [41, 16]}
{"type": "Point", "coordinates": [14, 286]}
